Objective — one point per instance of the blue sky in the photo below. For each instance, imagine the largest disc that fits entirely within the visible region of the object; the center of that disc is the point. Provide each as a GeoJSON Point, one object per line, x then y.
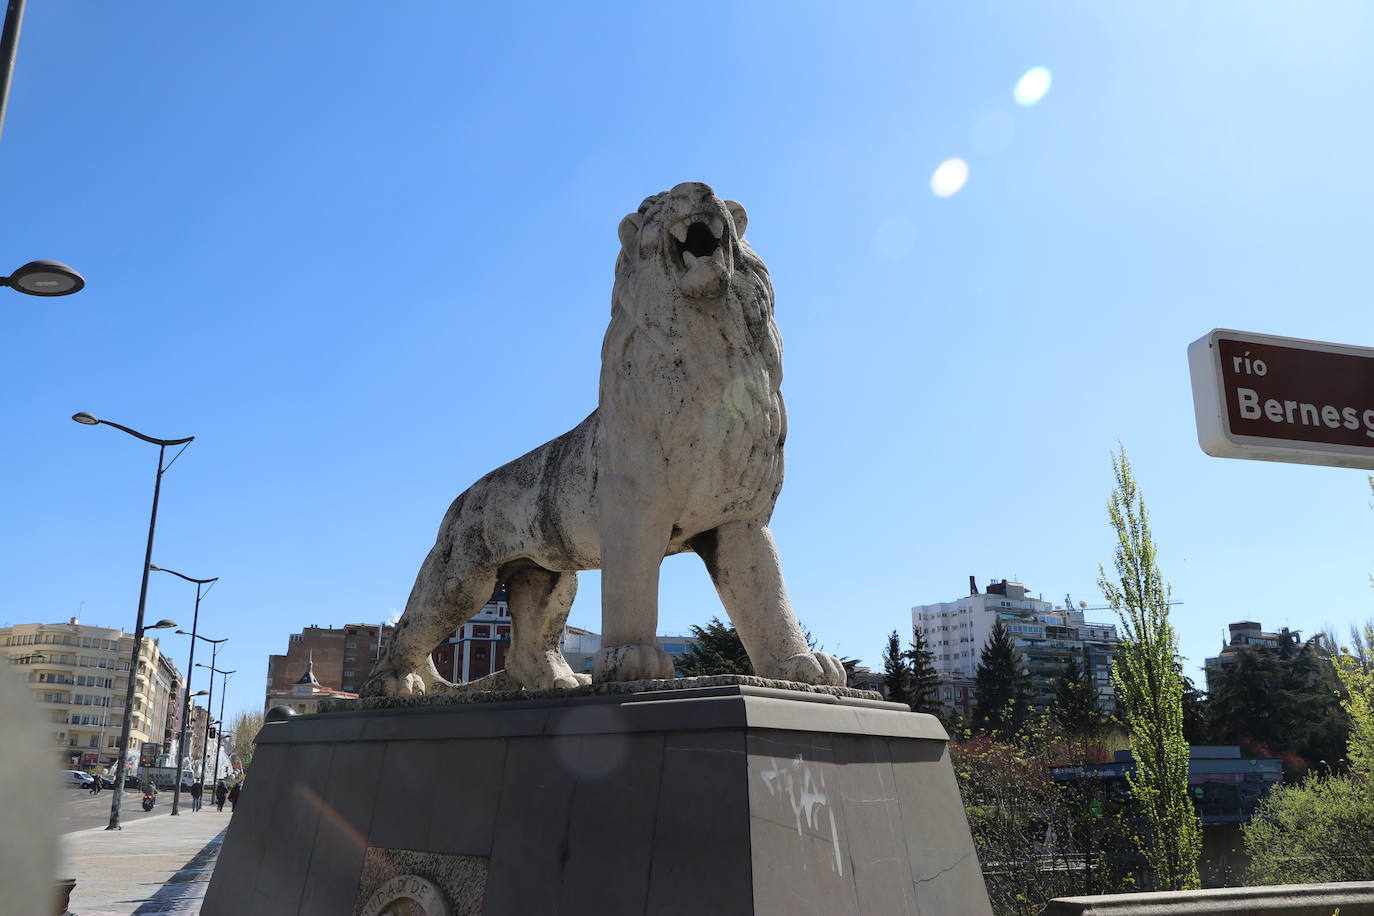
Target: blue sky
{"type": "Point", "coordinates": [364, 254]}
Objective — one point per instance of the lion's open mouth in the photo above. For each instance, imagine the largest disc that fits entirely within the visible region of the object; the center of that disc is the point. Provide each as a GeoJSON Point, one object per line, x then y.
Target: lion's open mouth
{"type": "Point", "coordinates": [697, 237]}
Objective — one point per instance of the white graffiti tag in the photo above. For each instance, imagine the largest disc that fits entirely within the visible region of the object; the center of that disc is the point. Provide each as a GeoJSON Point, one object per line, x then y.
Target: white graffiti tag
{"type": "Point", "coordinates": [794, 782]}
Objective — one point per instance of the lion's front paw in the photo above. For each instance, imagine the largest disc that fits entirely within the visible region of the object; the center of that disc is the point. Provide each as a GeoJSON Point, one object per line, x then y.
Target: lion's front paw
{"type": "Point", "coordinates": [812, 668]}
{"type": "Point", "coordinates": [631, 663]}
{"type": "Point", "coordinates": [388, 683]}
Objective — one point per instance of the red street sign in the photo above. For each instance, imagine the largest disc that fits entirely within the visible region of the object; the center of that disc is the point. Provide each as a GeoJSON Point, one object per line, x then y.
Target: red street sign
{"type": "Point", "coordinates": [1283, 399]}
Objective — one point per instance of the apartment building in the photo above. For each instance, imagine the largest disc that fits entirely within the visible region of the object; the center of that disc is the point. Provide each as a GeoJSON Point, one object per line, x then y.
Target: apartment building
{"type": "Point", "coordinates": [1046, 636]}
{"type": "Point", "coordinates": [78, 674]}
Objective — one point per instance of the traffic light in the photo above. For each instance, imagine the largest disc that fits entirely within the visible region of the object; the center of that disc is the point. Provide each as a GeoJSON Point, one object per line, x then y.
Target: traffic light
{"type": "Point", "coordinates": [143, 761]}
{"type": "Point", "coordinates": [211, 733]}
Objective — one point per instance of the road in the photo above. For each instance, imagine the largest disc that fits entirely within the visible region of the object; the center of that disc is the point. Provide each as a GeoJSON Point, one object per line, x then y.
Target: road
{"type": "Point", "coordinates": [80, 810]}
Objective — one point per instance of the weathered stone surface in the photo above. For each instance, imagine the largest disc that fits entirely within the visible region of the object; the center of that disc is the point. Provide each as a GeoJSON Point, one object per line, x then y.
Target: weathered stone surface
{"type": "Point", "coordinates": [683, 453]}
{"type": "Point", "coordinates": [733, 800]}
{"type": "Point", "coordinates": [465, 694]}
{"type": "Point", "coordinates": [1353, 898]}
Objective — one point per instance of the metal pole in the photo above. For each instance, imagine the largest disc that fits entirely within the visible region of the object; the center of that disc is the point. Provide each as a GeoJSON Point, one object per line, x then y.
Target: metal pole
{"type": "Point", "coordinates": [9, 44]}
{"type": "Point", "coordinates": [133, 664]}
{"type": "Point", "coordinates": [205, 748]}
{"type": "Point", "coordinates": [219, 734]}
{"type": "Point", "coordinates": [182, 750]}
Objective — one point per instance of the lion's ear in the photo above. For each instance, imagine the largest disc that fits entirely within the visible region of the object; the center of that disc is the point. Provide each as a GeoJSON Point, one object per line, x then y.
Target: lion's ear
{"type": "Point", "coordinates": [629, 231]}
{"type": "Point", "coordinates": [737, 214]}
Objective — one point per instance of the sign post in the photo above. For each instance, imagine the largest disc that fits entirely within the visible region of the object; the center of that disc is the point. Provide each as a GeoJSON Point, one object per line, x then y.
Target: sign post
{"type": "Point", "coordinates": [1272, 398]}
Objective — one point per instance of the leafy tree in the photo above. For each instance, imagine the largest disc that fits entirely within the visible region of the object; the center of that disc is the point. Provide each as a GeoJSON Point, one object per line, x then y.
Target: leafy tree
{"type": "Point", "coordinates": [1147, 681]}
{"type": "Point", "coordinates": [245, 727]}
{"type": "Point", "coordinates": [1038, 838]}
{"type": "Point", "coordinates": [1280, 701]}
{"type": "Point", "coordinates": [1322, 828]}
{"type": "Point", "coordinates": [718, 650]}
{"type": "Point", "coordinates": [1357, 677]}
{"type": "Point", "coordinates": [896, 674]}
{"type": "Point", "coordinates": [1001, 691]}
{"type": "Point", "coordinates": [925, 680]}
{"type": "Point", "coordinates": [1075, 701]}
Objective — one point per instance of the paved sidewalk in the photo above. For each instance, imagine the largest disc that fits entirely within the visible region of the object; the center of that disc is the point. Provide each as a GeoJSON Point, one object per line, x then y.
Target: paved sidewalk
{"type": "Point", "coordinates": [154, 865]}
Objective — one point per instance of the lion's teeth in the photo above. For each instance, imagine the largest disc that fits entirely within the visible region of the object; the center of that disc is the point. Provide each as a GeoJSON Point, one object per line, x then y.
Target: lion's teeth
{"type": "Point", "coordinates": [679, 231]}
{"type": "Point", "coordinates": [717, 226]}
{"type": "Point", "coordinates": [688, 258]}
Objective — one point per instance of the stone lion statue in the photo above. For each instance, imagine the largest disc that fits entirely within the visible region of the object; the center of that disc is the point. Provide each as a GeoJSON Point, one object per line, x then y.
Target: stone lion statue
{"type": "Point", "coordinates": [683, 453]}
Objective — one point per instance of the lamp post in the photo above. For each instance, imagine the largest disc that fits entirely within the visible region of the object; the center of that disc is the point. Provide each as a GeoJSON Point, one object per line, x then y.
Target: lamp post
{"type": "Point", "coordinates": [219, 732]}
{"type": "Point", "coordinates": [162, 444]}
{"type": "Point", "coordinates": [190, 669]}
{"type": "Point", "coordinates": [209, 704]}
{"type": "Point", "coordinates": [9, 43]}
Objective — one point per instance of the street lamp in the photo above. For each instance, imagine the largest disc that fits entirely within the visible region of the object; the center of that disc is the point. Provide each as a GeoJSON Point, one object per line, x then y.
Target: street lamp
{"type": "Point", "coordinates": [44, 278]}
{"type": "Point", "coordinates": [214, 653]}
{"type": "Point", "coordinates": [190, 666]}
{"type": "Point", "coordinates": [223, 685]}
{"type": "Point", "coordinates": [162, 444]}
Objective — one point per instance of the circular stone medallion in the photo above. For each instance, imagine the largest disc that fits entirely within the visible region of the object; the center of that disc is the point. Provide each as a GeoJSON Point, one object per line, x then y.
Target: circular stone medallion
{"type": "Point", "coordinates": [406, 895]}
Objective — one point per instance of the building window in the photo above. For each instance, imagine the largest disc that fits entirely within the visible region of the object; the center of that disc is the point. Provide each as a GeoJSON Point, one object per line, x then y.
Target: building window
{"type": "Point", "coordinates": [479, 652]}
{"type": "Point", "coordinates": [295, 637]}
{"type": "Point", "coordinates": [349, 659]}
{"type": "Point", "coordinates": [350, 645]}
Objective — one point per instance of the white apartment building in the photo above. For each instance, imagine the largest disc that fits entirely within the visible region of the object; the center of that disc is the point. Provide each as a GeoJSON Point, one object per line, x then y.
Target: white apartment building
{"type": "Point", "coordinates": [1046, 636]}
{"type": "Point", "coordinates": [957, 630]}
{"type": "Point", "coordinates": [79, 676]}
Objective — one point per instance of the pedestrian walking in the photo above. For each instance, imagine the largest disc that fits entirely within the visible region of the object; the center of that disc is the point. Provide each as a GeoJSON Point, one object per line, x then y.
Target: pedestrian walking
{"type": "Point", "coordinates": [220, 794]}
{"type": "Point", "coordinates": [234, 797]}
{"type": "Point", "coordinates": [196, 791]}
{"type": "Point", "coordinates": [96, 786]}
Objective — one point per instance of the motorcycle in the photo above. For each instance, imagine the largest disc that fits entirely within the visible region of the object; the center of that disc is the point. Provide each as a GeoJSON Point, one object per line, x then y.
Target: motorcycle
{"type": "Point", "coordinates": [148, 798]}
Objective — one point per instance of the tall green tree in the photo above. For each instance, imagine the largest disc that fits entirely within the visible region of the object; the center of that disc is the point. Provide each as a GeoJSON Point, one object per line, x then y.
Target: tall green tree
{"type": "Point", "coordinates": [1148, 684]}
{"type": "Point", "coordinates": [1075, 701]}
{"type": "Point", "coordinates": [925, 680]}
{"type": "Point", "coordinates": [1001, 691]}
{"type": "Point", "coordinates": [896, 674]}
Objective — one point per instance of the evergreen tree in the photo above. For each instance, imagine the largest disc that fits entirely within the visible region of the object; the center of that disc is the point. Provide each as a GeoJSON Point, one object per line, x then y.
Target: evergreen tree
{"type": "Point", "coordinates": [896, 674]}
{"type": "Point", "coordinates": [1075, 701]}
{"type": "Point", "coordinates": [1196, 728]}
{"type": "Point", "coordinates": [1001, 691]}
{"type": "Point", "coordinates": [1280, 701]}
{"type": "Point", "coordinates": [1147, 680]}
{"type": "Point", "coordinates": [718, 650]}
{"type": "Point", "coordinates": [925, 681]}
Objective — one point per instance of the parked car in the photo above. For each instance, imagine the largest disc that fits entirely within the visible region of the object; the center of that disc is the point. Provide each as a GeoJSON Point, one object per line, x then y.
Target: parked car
{"type": "Point", "coordinates": [105, 782]}
{"type": "Point", "coordinates": [77, 779]}
{"type": "Point", "coordinates": [132, 782]}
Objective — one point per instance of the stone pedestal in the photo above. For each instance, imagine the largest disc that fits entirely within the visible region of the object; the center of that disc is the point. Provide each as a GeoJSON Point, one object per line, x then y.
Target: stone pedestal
{"type": "Point", "coordinates": [727, 799]}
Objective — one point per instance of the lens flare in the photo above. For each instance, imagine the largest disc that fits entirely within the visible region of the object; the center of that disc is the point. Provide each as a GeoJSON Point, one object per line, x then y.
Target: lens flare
{"type": "Point", "coordinates": [949, 177]}
{"type": "Point", "coordinates": [1032, 86]}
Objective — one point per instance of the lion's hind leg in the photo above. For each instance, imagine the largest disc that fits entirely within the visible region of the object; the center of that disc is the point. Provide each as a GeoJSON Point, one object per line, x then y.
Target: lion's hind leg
{"type": "Point", "coordinates": [743, 562]}
{"type": "Point", "coordinates": [539, 601]}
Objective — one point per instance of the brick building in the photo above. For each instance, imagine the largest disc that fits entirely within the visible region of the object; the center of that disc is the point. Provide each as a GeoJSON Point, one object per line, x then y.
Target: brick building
{"type": "Point", "coordinates": [342, 658]}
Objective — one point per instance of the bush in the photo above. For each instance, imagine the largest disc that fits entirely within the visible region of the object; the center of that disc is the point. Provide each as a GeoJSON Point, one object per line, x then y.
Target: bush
{"type": "Point", "coordinates": [1321, 829]}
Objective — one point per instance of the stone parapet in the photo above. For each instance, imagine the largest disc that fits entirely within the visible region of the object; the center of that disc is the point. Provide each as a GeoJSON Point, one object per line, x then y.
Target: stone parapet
{"type": "Point", "coordinates": [1354, 898]}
